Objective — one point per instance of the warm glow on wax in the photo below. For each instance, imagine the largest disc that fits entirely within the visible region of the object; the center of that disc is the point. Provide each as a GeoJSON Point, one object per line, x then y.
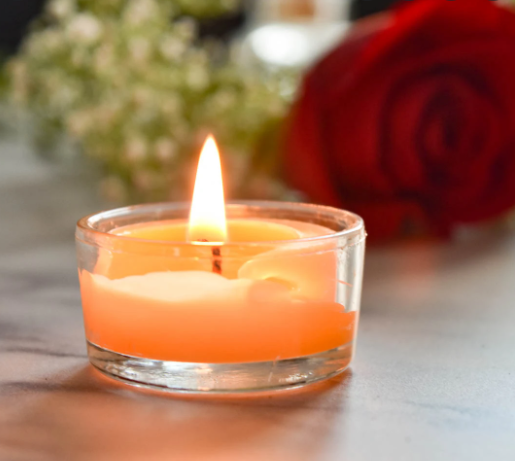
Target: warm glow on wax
{"type": "Point", "coordinates": [207, 216]}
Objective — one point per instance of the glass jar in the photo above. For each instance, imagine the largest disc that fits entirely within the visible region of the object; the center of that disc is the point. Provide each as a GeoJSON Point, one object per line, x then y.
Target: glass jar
{"type": "Point", "coordinates": [277, 306]}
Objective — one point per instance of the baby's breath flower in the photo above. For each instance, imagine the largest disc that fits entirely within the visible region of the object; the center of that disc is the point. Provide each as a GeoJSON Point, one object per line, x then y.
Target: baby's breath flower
{"type": "Point", "coordinates": [84, 28]}
{"type": "Point", "coordinates": [135, 150]}
{"type": "Point", "coordinates": [130, 81]}
{"type": "Point", "coordinates": [224, 99]}
{"type": "Point", "coordinates": [165, 149]}
{"type": "Point", "coordinates": [61, 9]}
{"type": "Point", "coordinates": [172, 47]}
{"type": "Point", "coordinates": [185, 28]}
{"type": "Point", "coordinates": [50, 41]}
{"type": "Point", "coordinates": [140, 11]}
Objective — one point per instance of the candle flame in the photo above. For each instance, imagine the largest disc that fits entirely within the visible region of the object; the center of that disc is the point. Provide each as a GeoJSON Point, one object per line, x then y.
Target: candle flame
{"type": "Point", "coordinates": [207, 216]}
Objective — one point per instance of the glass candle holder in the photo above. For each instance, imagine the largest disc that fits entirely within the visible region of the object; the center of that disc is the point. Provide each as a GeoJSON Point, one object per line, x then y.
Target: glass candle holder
{"type": "Point", "coordinates": [275, 307]}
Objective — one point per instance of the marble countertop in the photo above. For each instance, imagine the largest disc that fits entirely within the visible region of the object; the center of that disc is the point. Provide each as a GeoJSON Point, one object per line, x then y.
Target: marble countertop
{"type": "Point", "coordinates": [434, 376]}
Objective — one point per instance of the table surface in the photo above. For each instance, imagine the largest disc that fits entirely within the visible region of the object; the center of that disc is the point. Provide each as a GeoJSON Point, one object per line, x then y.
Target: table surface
{"type": "Point", "coordinates": [433, 379]}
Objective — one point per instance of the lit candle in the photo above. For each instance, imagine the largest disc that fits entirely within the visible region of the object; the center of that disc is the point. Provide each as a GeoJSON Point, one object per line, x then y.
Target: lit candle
{"type": "Point", "coordinates": [197, 291]}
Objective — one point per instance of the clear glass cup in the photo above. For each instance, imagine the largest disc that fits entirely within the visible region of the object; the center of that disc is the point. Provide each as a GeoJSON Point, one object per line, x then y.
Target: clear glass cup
{"type": "Point", "coordinates": [166, 313]}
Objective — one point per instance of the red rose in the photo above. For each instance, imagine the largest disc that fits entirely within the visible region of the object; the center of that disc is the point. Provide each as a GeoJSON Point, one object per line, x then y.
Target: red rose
{"type": "Point", "coordinates": [411, 120]}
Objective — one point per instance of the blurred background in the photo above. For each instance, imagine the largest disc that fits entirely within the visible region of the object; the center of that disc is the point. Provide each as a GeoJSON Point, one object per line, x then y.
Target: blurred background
{"type": "Point", "coordinates": [119, 96]}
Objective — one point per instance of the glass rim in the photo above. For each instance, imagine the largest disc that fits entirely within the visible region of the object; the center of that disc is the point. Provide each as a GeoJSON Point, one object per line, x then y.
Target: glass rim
{"type": "Point", "coordinates": [86, 223]}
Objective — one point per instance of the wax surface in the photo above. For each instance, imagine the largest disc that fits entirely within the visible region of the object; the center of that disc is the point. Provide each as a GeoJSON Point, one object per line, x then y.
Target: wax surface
{"type": "Point", "coordinates": [239, 230]}
{"type": "Point", "coordinates": [125, 258]}
{"type": "Point", "coordinates": [271, 302]}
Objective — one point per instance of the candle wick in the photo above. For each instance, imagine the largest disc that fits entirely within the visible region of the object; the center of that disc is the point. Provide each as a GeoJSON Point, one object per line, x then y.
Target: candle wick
{"type": "Point", "coordinates": [217, 262]}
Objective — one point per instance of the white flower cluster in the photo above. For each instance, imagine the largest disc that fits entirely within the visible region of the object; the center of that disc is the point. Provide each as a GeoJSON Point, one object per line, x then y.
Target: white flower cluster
{"type": "Point", "coordinates": [129, 82]}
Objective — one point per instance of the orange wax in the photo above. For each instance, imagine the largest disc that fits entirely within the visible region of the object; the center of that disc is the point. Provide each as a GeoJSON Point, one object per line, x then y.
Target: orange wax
{"type": "Point", "coordinates": [270, 302]}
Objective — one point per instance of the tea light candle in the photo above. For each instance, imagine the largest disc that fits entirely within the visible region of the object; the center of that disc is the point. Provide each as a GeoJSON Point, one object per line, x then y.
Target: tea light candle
{"type": "Point", "coordinates": [212, 290]}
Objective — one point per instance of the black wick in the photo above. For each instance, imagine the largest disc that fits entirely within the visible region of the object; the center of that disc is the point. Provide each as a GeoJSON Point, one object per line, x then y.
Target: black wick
{"type": "Point", "coordinates": [216, 253]}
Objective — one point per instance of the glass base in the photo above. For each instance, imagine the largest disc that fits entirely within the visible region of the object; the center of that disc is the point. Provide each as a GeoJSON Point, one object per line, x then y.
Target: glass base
{"type": "Point", "coordinates": [221, 377]}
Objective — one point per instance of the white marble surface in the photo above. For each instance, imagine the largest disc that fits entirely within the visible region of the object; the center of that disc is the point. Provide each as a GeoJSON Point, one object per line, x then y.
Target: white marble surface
{"type": "Point", "coordinates": [434, 376]}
